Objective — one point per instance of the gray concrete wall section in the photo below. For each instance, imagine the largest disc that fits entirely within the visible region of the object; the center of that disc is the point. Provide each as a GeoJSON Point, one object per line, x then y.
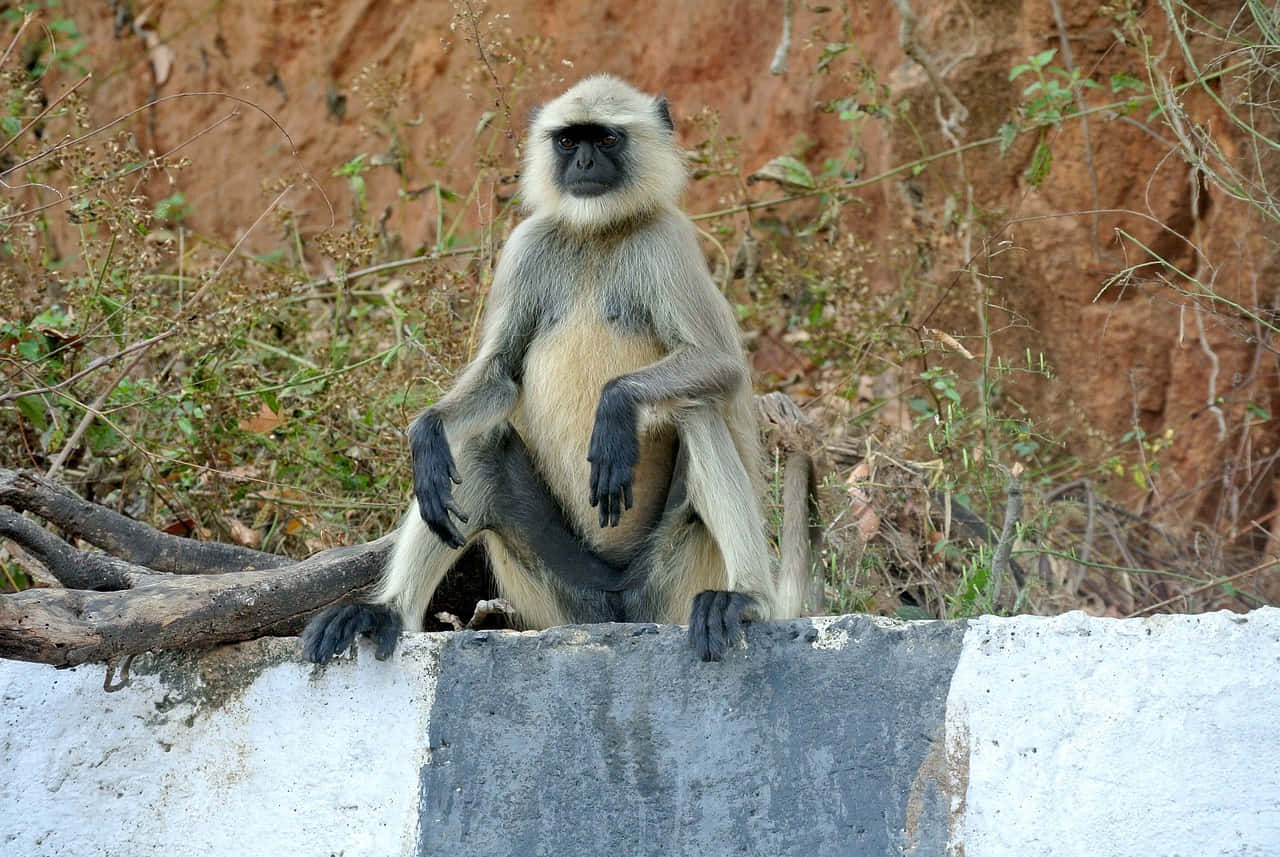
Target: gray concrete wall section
{"type": "Point", "coordinates": [1023, 736]}
{"type": "Point", "coordinates": [613, 740]}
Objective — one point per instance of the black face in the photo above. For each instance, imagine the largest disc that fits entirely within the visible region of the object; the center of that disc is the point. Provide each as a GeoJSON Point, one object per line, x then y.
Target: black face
{"type": "Point", "coordinates": [589, 158]}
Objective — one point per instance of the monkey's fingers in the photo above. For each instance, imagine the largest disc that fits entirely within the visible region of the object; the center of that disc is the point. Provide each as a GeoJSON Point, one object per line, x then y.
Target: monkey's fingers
{"type": "Point", "coordinates": [385, 631]}
{"type": "Point", "coordinates": [605, 502]}
{"type": "Point", "coordinates": [602, 492]}
{"type": "Point", "coordinates": [595, 483]}
{"type": "Point", "coordinates": [453, 509]}
{"type": "Point", "coordinates": [434, 509]}
{"type": "Point", "coordinates": [447, 532]}
{"type": "Point", "coordinates": [621, 500]}
{"type": "Point", "coordinates": [716, 622]}
{"type": "Point", "coordinates": [717, 641]}
{"type": "Point", "coordinates": [330, 632]}
{"type": "Point", "coordinates": [333, 630]}
{"type": "Point", "coordinates": [698, 632]}
{"type": "Point", "coordinates": [612, 493]}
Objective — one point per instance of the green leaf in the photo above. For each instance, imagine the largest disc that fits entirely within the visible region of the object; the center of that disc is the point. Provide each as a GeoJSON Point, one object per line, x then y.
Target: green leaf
{"type": "Point", "coordinates": [31, 347]}
{"type": "Point", "coordinates": [830, 211]}
{"type": "Point", "coordinates": [112, 314]}
{"type": "Point", "coordinates": [32, 407]}
{"type": "Point", "coordinates": [102, 438]}
{"type": "Point", "coordinates": [829, 53]}
{"type": "Point", "coordinates": [1008, 133]}
{"type": "Point", "coordinates": [787, 172]}
{"type": "Point", "coordinates": [1121, 82]}
{"type": "Point", "coordinates": [1025, 448]}
{"type": "Point", "coordinates": [1041, 161]}
{"type": "Point", "coordinates": [1043, 58]}
{"type": "Point", "coordinates": [54, 317]}
{"type": "Point", "coordinates": [173, 208]}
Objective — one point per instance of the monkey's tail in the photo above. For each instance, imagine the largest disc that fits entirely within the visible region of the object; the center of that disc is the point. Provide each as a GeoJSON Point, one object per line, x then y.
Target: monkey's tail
{"type": "Point", "coordinates": [790, 436]}
{"type": "Point", "coordinates": [798, 589]}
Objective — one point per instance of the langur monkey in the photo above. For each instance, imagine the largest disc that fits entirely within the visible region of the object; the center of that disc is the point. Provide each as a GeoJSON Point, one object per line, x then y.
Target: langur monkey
{"type": "Point", "coordinates": [602, 445]}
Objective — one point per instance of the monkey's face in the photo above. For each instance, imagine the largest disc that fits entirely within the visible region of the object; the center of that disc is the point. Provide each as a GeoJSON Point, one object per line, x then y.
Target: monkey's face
{"type": "Point", "coordinates": [600, 154]}
{"type": "Point", "coordinates": [590, 159]}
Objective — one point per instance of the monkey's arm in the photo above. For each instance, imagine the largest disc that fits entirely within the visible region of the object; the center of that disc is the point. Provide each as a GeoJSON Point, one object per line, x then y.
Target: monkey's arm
{"type": "Point", "coordinates": [484, 396]}
{"type": "Point", "coordinates": [704, 365]}
{"type": "Point", "coordinates": [688, 377]}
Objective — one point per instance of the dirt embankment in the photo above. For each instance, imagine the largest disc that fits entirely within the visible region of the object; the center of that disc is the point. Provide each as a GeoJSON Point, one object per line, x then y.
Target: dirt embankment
{"type": "Point", "coordinates": [315, 84]}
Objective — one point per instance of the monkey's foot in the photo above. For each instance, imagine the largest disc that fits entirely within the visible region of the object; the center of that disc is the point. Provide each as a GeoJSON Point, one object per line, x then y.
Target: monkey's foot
{"type": "Point", "coordinates": [491, 607]}
{"type": "Point", "coordinates": [333, 630]}
{"type": "Point", "coordinates": [484, 609]}
{"type": "Point", "coordinates": [716, 622]}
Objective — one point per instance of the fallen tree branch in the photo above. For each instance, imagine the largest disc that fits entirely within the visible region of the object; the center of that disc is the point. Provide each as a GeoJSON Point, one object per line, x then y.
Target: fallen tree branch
{"type": "Point", "coordinates": [66, 627]}
{"type": "Point", "coordinates": [150, 590]}
{"type": "Point", "coordinates": [74, 569]}
{"type": "Point", "coordinates": [124, 537]}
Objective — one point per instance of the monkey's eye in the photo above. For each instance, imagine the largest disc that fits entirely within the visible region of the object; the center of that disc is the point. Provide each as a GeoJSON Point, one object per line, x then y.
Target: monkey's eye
{"type": "Point", "coordinates": [609, 140]}
{"type": "Point", "coordinates": [565, 142]}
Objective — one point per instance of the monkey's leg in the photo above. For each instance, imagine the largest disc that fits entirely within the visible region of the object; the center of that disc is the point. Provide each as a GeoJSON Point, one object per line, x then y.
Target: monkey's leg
{"type": "Point", "coordinates": [708, 555]}
{"type": "Point", "coordinates": [417, 564]}
{"type": "Point", "coordinates": [723, 496]}
{"type": "Point", "coordinates": [541, 566]}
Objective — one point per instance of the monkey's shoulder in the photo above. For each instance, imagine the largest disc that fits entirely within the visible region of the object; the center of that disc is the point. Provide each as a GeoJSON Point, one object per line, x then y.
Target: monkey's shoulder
{"type": "Point", "coordinates": [632, 277]}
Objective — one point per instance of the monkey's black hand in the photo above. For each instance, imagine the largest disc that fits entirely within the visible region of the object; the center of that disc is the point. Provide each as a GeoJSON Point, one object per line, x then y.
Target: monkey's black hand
{"type": "Point", "coordinates": [716, 621]}
{"type": "Point", "coordinates": [613, 452]}
{"type": "Point", "coordinates": [433, 470]}
{"type": "Point", "coordinates": [333, 630]}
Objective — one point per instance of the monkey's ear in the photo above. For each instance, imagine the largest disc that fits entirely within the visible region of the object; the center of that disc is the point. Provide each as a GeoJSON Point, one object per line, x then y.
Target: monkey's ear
{"type": "Point", "coordinates": [664, 113]}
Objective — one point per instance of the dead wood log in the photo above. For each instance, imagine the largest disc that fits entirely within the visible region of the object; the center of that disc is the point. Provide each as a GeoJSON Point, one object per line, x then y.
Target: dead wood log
{"type": "Point", "coordinates": [149, 590]}
{"type": "Point", "coordinates": [124, 537]}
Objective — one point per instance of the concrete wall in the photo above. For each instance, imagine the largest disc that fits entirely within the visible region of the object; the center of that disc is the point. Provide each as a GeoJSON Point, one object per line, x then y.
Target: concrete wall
{"type": "Point", "coordinates": [830, 736]}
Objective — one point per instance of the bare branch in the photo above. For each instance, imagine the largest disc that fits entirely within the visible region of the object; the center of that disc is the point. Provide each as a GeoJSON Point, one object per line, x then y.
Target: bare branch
{"type": "Point", "coordinates": [45, 112]}
{"type": "Point", "coordinates": [75, 569]}
{"type": "Point", "coordinates": [124, 537]}
{"type": "Point", "coordinates": [914, 50]}
{"type": "Point", "coordinates": [94, 365]}
{"type": "Point", "coordinates": [72, 626]}
{"type": "Point", "coordinates": [1000, 557]}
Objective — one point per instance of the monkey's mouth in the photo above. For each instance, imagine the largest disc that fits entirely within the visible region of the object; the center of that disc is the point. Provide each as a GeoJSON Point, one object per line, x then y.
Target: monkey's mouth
{"type": "Point", "coordinates": [588, 188]}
